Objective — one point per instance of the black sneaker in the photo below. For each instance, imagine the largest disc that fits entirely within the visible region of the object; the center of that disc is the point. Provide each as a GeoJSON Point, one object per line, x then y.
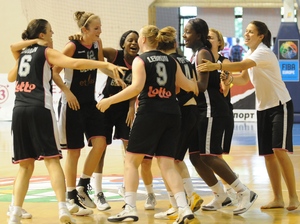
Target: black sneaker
{"type": "Point", "coordinates": [74, 205]}
{"type": "Point", "coordinates": [83, 187]}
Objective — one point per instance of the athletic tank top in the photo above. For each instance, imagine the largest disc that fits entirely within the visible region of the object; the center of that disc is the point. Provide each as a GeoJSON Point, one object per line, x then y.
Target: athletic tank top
{"type": "Point", "coordinates": [82, 82]}
{"type": "Point", "coordinates": [34, 79]}
{"type": "Point", "coordinates": [187, 69]}
{"type": "Point", "coordinates": [212, 103]}
{"type": "Point", "coordinates": [111, 88]}
{"type": "Point", "coordinates": [158, 94]}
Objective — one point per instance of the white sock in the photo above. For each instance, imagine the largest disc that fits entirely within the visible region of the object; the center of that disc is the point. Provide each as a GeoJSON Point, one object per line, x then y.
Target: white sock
{"type": "Point", "coordinates": [188, 186]}
{"type": "Point", "coordinates": [149, 188]}
{"type": "Point", "coordinates": [17, 210]}
{"type": "Point", "coordinates": [62, 205]}
{"type": "Point", "coordinates": [172, 200]}
{"type": "Point", "coordinates": [83, 176]}
{"type": "Point", "coordinates": [98, 182]}
{"type": "Point", "coordinates": [130, 199]}
{"type": "Point", "coordinates": [218, 188]}
{"type": "Point", "coordinates": [238, 186]}
{"type": "Point", "coordinates": [70, 189]}
{"type": "Point", "coordinates": [181, 199]}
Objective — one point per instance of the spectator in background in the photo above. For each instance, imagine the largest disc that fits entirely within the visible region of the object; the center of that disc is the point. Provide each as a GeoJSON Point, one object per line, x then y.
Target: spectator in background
{"type": "Point", "coordinates": [226, 50]}
{"type": "Point", "coordinates": [236, 51]}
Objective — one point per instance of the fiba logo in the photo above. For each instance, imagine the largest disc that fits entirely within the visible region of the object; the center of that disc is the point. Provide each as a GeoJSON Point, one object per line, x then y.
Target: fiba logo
{"type": "Point", "coordinates": [288, 50]}
{"type": "Point", "coordinates": [3, 94]}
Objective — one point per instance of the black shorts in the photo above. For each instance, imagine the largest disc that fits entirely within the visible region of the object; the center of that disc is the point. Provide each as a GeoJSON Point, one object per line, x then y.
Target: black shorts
{"type": "Point", "coordinates": [228, 132]}
{"type": "Point", "coordinates": [35, 134]}
{"type": "Point", "coordinates": [117, 119]}
{"type": "Point", "coordinates": [211, 130]}
{"type": "Point", "coordinates": [275, 128]}
{"type": "Point", "coordinates": [154, 134]}
{"type": "Point", "coordinates": [189, 118]}
{"type": "Point", "coordinates": [73, 125]}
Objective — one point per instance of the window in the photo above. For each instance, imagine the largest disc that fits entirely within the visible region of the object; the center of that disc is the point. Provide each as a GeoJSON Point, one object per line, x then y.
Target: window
{"type": "Point", "coordinates": [185, 13]}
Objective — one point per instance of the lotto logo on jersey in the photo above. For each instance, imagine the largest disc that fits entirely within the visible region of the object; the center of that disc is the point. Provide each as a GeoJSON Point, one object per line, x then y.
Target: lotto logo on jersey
{"type": "Point", "coordinates": [161, 92]}
{"type": "Point", "coordinates": [4, 93]}
{"type": "Point", "coordinates": [24, 87]}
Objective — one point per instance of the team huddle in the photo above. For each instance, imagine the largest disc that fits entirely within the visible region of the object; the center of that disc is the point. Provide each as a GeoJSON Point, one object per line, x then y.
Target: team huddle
{"type": "Point", "coordinates": [158, 103]}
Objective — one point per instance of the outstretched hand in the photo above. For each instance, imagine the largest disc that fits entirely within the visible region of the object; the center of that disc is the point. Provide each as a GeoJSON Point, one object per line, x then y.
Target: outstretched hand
{"type": "Point", "coordinates": [206, 66]}
{"type": "Point", "coordinates": [116, 70]}
{"type": "Point", "coordinates": [120, 82]}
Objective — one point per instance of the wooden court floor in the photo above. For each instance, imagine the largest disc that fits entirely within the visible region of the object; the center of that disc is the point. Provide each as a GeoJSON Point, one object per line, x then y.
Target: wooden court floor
{"type": "Point", "coordinates": [243, 160]}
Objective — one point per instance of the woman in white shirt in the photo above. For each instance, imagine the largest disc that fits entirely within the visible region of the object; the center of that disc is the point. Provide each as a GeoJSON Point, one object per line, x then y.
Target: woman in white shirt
{"type": "Point", "coordinates": [274, 109]}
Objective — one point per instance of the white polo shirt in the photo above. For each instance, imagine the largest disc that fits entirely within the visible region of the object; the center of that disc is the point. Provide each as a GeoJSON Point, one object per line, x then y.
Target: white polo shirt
{"type": "Point", "coordinates": [266, 78]}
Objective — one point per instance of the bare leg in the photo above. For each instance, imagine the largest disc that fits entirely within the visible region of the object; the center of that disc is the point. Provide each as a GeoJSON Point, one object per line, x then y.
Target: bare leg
{"type": "Point", "coordinates": [94, 156]}
{"type": "Point", "coordinates": [182, 169]}
{"type": "Point", "coordinates": [288, 174]}
{"type": "Point", "coordinates": [274, 173]}
{"type": "Point", "coordinates": [100, 165]}
{"type": "Point", "coordinates": [22, 181]}
{"type": "Point", "coordinates": [131, 174]}
{"type": "Point", "coordinates": [146, 171]}
{"type": "Point", "coordinates": [57, 178]}
{"type": "Point", "coordinates": [170, 174]}
{"type": "Point", "coordinates": [71, 167]}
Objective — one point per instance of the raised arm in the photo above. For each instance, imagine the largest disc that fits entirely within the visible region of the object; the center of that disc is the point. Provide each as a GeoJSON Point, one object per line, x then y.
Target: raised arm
{"type": "Point", "coordinates": [16, 48]}
{"type": "Point", "coordinates": [233, 66]}
{"type": "Point", "coordinates": [63, 61]}
{"type": "Point", "coordinates": [138, 82]}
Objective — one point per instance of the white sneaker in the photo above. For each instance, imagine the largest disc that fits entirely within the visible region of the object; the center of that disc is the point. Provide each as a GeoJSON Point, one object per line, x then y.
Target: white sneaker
{"type": "Point", "coordinates": [65, 216]}
{"type": "Point", "coordinates": [150, 202]}
{"type": "Point", "coordinates": [83, 212]}
{"type": "Point", "coordinates": [128, 214]}
{"type": "Point", "coordinates": [232, 195]}
{"type": "Point", "coordinates": [101, 202]}
{"type": "Point", "coordinates": [219, 201]}
{"type": "Point", "coordinates": [245, 201]}
{"type": "Point", "coordinates": [170, 214]}
{"type": "Point", "coordinates": [25, 214]}
{"type": "Point", "coordinates": [121, 191]}
{"type": "Point", "coordinates": [72, 207]}
{"type": "Point", "coordinates": [15, 219]}
{"type": "Point", "coordinates": [185, 215]}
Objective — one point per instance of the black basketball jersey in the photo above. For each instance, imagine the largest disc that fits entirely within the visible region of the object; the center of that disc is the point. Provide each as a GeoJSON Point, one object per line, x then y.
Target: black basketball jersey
{"type": "Point", "coordinates": [33, 83]}
{"type": "Point", "coordinates": [187, 69]}
{"type": "Point", "coordinates": [158, 94]}
{"type": "Point", "coordinates": [212, 103]}
{"type": "Point", "coordinates": [111, 88]}
{"type": "Point", "coordinates": [82, 82]}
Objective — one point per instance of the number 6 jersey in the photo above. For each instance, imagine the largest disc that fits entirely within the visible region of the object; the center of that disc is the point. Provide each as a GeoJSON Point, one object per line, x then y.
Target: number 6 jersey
{"type": "Point", "coordinates": [34, 79]}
